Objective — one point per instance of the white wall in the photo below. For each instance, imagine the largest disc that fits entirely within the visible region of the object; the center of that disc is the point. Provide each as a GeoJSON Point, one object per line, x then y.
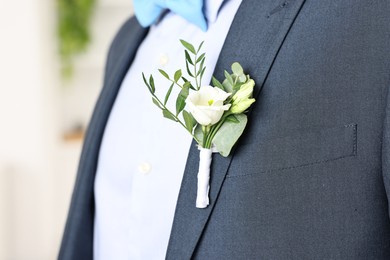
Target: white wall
{"type": "Point", "coordinates": [37, 168]}
{"type": "Point", "coordinates": [27, 132]}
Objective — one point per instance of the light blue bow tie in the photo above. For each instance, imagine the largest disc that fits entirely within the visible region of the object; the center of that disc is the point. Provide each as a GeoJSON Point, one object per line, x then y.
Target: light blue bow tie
{"type": "Point", "coordinates": [148, 11]}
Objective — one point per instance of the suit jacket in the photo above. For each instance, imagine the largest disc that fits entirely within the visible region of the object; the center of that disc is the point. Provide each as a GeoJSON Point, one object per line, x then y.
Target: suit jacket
{"type": "Point", "coordinates": [309, 179]}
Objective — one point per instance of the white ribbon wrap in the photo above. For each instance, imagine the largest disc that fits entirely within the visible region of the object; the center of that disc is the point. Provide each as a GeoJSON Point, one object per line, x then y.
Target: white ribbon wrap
{"type": "Point", "coordinates": [205, 158]}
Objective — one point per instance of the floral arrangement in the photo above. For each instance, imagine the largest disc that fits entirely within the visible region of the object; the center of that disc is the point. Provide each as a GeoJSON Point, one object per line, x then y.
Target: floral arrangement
{"type": "Point", "coordinates": [213, 115]}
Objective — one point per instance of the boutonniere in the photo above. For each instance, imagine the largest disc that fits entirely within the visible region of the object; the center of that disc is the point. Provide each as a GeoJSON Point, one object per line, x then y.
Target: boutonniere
{"type": "Point", "coordinates": [213, 115]}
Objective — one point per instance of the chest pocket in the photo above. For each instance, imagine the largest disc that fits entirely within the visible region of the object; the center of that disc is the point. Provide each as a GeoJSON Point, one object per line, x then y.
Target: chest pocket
{"type": "Point", "coordinates": [294, 151]}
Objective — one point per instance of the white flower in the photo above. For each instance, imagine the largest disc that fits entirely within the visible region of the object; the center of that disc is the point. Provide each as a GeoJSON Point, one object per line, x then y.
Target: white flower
{"type": "Point", "coordinates": [206, 105]}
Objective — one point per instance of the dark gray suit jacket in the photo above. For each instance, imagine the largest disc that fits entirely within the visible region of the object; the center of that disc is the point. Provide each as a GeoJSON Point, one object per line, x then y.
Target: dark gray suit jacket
{"type": "Point", "coordinates": [310, 177]}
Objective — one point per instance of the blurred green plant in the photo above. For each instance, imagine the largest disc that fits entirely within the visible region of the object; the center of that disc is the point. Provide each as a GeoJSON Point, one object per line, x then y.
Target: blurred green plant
{"type": "Point", "coordinates": [73, 30]}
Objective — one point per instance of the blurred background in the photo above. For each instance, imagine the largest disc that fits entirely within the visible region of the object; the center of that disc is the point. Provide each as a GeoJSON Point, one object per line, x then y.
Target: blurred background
{"type": "Point", "coordinates": [46, 98]}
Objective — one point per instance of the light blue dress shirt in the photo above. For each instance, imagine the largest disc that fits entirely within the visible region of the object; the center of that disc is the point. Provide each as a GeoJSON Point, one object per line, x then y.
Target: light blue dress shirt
{"type": "Point", "coordinates": [143, 155]}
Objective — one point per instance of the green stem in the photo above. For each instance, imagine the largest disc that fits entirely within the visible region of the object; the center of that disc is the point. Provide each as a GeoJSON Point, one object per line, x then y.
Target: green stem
{"type": "Point", "coordinates": [174, 82]}
{"type": "Point", "coordinates": [215, 129]}
{"type": "Point", "coordinates": [205, 130]}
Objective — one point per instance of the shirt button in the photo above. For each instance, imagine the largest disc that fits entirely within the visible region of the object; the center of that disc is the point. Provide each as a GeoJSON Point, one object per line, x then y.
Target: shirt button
{"type": "Point", "coordinates": [164, 59]}
{"type": "Point", "coordinates": [144, 168]}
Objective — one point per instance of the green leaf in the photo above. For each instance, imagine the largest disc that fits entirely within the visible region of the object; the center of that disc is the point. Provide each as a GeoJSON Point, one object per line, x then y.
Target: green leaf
{"type": "Point", "coordinates": [177, 75]}
{"type": "Point", "coordinates": [168, 94]}
{"type": "Point", "coordinates": [201, 74]}
{"type": "Point", "coordinates": [188, 70]}
{"type": "Point", "coordinates": [181, 99]}
{"type": "Point", "coordinates": [200, 57]}
{"type": "Point", "coordinates": [229, 133]}
{"type": "Point", "coordinates": [169, 115]}
{"type": "Point", "coordinates": [185, 91]}
{"type": "Point", "coordinates": [237, 69]}
{"type": "Point", "coordinates": [188, 84]}
{"type": "Point", "coordinates": [188, 57]}
{"type": "Point", "coordinates": [157, 103]}
{"type": "Point", "coordinates": [189, 120]}
{"type": "Point", "coordinates": [217, 84]}
{"type": "Point", "coordinates": [188, 46]}
{"type": "Point", "coordinates": [198, 133]}
{"type": "Point", "coordinates": [200, 46]}
{"type": "Point", "coordinates": [180, 104]}
{"type": "Point", "coordinates": [237, 86]}
{"type": "Point", "coordinates": [227, 86]}
{"type": "Point", "coordinates": [202, 62]}
{"type": "Point", "coordinates": [229, 78]}
{"type": "Point", "coordinates": [201, 67]}
{"type": "Point", "coordinates": [151, 82]}
{"type": "Point", "coordinates": [233, 119]}
{"type": "Point", "coordinates": [184, 79]}
{"type": "Point", "coordinates": [243, 78]}
{"type": "Point", "coordinates": [146, 82]}
{"type": "Point", "coordinates": [164, 73]}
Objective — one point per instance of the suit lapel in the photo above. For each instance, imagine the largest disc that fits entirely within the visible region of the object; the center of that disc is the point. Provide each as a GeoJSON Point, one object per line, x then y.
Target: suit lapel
{"type": "Point", "coordinates": [254, 39]}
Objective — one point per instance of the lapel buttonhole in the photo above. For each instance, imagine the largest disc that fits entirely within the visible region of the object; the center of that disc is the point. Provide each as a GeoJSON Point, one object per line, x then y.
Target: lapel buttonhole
{"type": "Point", "coordinates": [277, 9]}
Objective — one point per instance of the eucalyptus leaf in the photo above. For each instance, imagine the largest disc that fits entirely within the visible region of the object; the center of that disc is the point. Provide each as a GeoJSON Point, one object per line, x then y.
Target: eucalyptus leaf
{"type": "Point", "coordinates": [198, 133]}
{"type": "Point", "coordinates": [228, 134]}
{"type": "Point", "coordinates": [237, 69]}
{"type": "Point", "coordinates": [164, 73]}
{"type": "Point", "coordinates": [168, 94]}
{"type": "Point", "coordinates": [243, 78]}
{"type": "Point", "coordinates": [177, 75]}
{"type": "Point", "coordinates": [169, 115]}
{"type": "Point", "coordinates": [227, 86]}
{"type": "Point", "coordinates": [233, 119]}
{"type": "Point", "coordinates": [188, 46]}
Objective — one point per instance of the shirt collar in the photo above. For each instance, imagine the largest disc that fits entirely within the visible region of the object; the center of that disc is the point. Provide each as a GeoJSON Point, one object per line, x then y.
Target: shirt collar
{"type": "Point", "coordinates": [212, 8]}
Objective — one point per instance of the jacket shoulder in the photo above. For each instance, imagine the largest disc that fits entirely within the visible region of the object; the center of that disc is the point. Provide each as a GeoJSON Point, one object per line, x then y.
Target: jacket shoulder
{"type": "Point", "coordinates": [129, 32]}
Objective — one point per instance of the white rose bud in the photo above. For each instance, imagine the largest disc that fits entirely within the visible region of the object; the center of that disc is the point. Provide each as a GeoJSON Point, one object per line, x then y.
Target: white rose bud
{"type": "Point", "coordinates": [206, 105]}
{"type": "Point", "coordinates": [242, 100]}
